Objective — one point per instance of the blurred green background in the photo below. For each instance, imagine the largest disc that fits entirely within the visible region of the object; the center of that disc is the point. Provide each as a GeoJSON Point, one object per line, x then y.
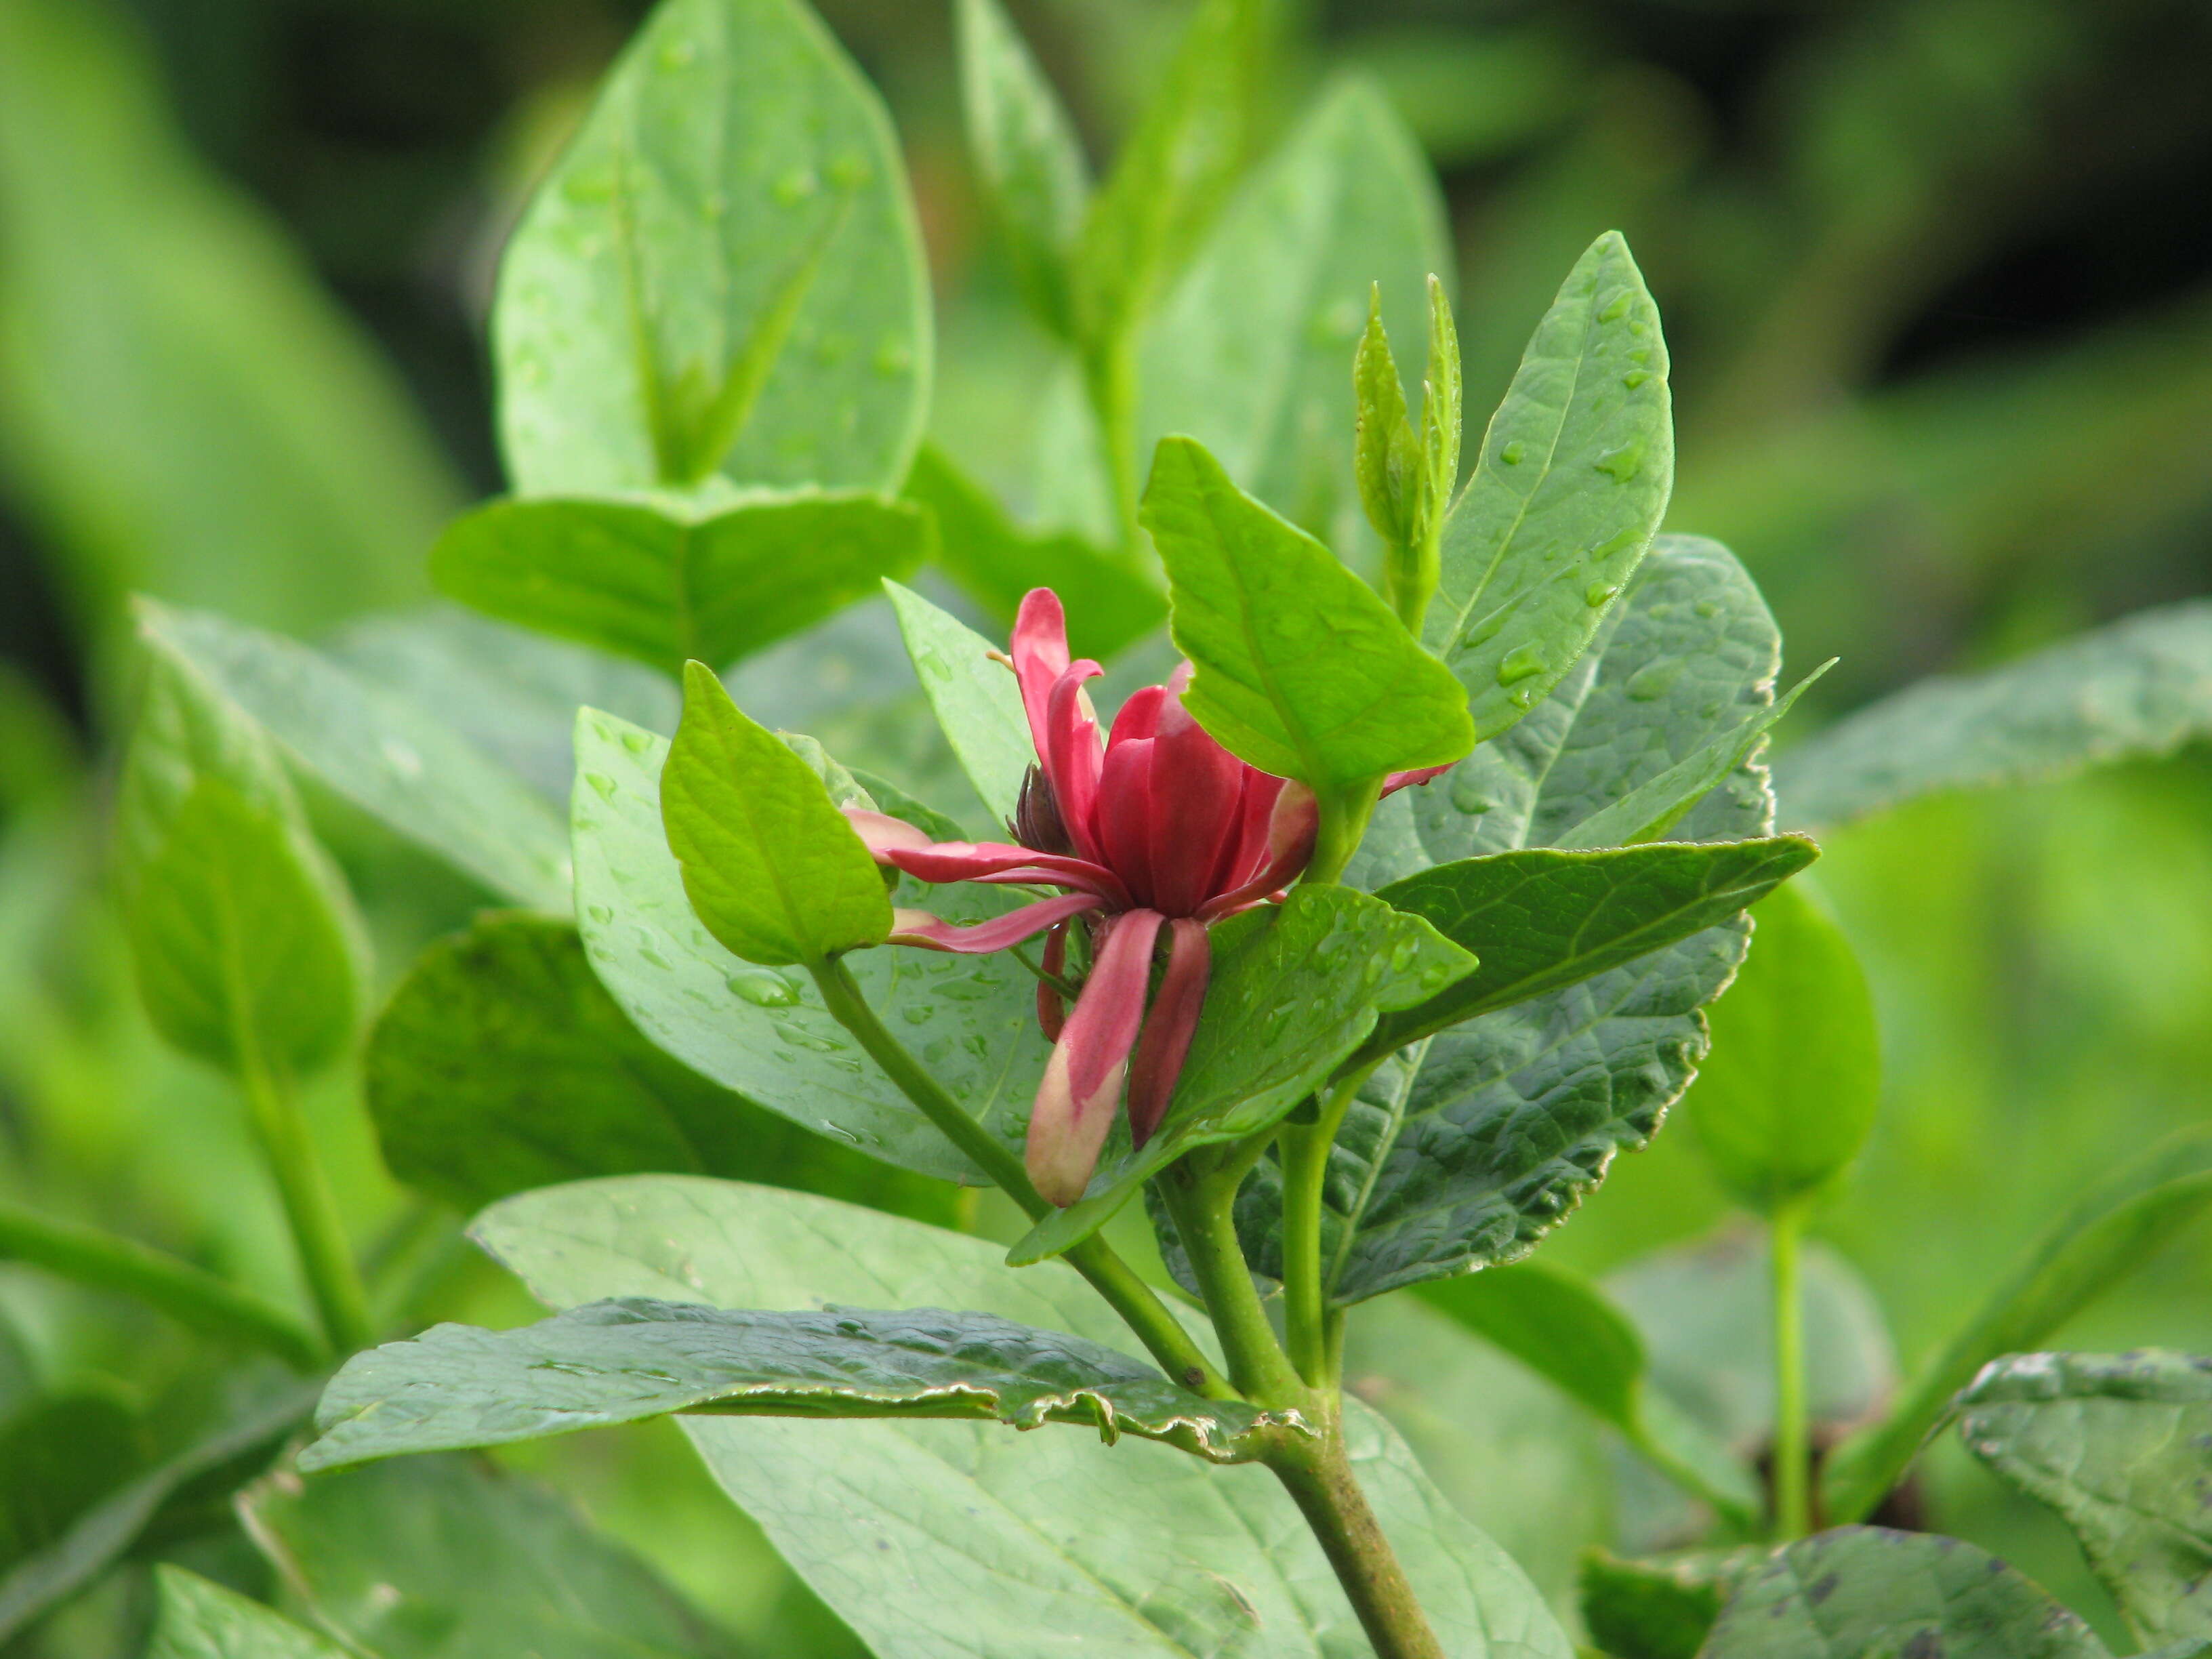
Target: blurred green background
{"type": "Point", "coordinates": [1938, 282]}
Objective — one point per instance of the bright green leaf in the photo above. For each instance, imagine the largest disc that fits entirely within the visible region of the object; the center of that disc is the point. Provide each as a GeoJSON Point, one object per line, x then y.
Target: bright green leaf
{"type": "Point", "coordinates": [1787, 1098]}
{"type": "Point", "coordinates": [1386, 456]}
{"type": "Point", "coordinates": [667, 584]}
{"type": "Point", "coordinates": [1295, 988]}
{"type": "Point", "coordinates": [770, 865]}
{"type": "Point", "coordinates": [1302, 669]}
{"type": "Point", "coordinates": [197, 1619]}
{"type": "Point", "coordinates": [722, 273]}
{"type": "Point", "coordinates": [975, 698]}
{"type": "Point", "coordinates": [1569, 486]}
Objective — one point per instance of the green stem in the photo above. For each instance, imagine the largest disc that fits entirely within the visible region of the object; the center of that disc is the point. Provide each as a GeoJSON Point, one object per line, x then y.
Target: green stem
{"type": "Point", "coordinates": [325, 1257]}
{"type": "Point", "coordinates": [1411, 572]}
{"type": "Point", "coordinates": [1138, 1303]}
{"type": "Point", "coordinates": [190, 1296]}
{"type": "Point", "coordinates": [1343, 818]}
{"type": "Point", "coordinates": [1109, 373]}
{"type": "Point", "coordinates": [1318, 1476]}
{"type": "Point", "coordinates": [1202, 1202]}
{"type": "Point", "coordinates": [1793, 1513]}
{"type": "Point", "coordinates": [1306, 1316]}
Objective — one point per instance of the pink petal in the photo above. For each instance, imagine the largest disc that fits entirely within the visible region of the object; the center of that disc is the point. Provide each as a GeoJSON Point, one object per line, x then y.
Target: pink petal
{"type": "Point", "coordinates": [1002, 863]}
{"type": "Point", "coordinates": [1052, 1012]}
{"type": "Point", "coordinates": [1073, 754]}
{"type": "Point", "coordinates": [880, 832]}
{"type": "Point", "coordinates": [1398, 781]}
{"type": "Point", "coordinates": [1039, 655]}
{"type": "Point", "coordinates": [1197, 791]}
{"type": "Point", "coordinates": [1082, 1083]}
{"type": "Point", "coordinates": [1140, 716]}
{"type": "Point", "coordinates": [1290, 830]}
{"type": "Point", "coordinates": [1169, 1027]}
{"type": "Point", "coordinates": [921, 928]}
{"type": "Point", "coordinates": [1125, 815]}
{"type": "Point", "coordinates": [1248, 856]}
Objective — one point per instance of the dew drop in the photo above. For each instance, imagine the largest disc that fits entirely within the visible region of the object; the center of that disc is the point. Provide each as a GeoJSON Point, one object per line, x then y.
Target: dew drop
{"type": "Point", "coordinates": [599, 913]}
{"type": "Point", "coordinates": [840, 1131]}
{"type": "Point", "coordinates": [1653, 681]}
{"type": "Point", "coordinates": [1511, 453]}
{"type": "Point", "coordinates": [1600, 593]}
{"type": "Point", "coordinates": [602, 783]}
{"type": "Point", "coordinates": [1635, 377]}
{"type": "Point", "coordinates": [850, 170]}
{"type": "Point", "coordinates": [401, 759]}
{"type": "Point", "coordinates": [763, 987]}
{"type": "Point", "coordinates": [1523, 662]}
{"type": "Point", "coordinates": [654, 957]}
{"type": "Point", "coordinates": [1708, 609]}
{"type": "Point", "coordinates": [1402, 956]}
{"type": "Point", "coordinates": [795, 186]}
{"type": "Point", "coordinates": [1467, 797]}
{"type": "Point", "coordinates": [1616, 311]}
{"type": "Point", "coordinates": [893, 359]}
{"type": "Point", "coordinates": [1620, 464]}
{"type": "Point", "coordinates": [637, 743]}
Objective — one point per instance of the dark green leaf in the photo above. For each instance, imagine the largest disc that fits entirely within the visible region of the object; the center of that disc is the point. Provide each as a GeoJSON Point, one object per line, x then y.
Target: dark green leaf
{"type": "Point", "coordinates": [59, 1456]}
{"type": "Point", "coordinates": [247, 948]}
{"type": "Point", "coordinates": [975, 697]}
{"type": "Point", "coordinates": [2116, 1223]}
{"type": "Point", "coordinates": [764, 1033]}
{"type": "Point", "coordinates": [437, 1557]}
{"type": "Point", "coordinates": [667, 584]}
{"type": "Point", "coordinates": [2141, 686]}
{"type": "Point", "coordinates": [722, 273]}
{"type": "Point", "coordinates": [1660, 1607]}
{"type": "Point", "coordinates": [2117, 1445]}
{"type": "Point", "coordinates": [1787, 1098]}
{"type": "Point", "coordinates": [1161, 1555]}
{"type": "Point", "coordinates": [1027, 157]}
{"type": "Point", "coordinates": [1294, 989]}
{"type": "Point", "coordinates": [770, 865]}
{"type": "Point", "coordinates": [1302, 669]}
{"type": "Point", "coordinates": [501, 1065]}
{"type": "Point", "coordinates": [1861, 1591]}
{"type": "Point", "coordinates": [1569, 486]}
{"type": "Point", "coordinates": [201, 1620]}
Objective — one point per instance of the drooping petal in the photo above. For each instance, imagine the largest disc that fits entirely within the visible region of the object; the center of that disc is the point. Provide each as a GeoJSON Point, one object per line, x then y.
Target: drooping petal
{"type": "Point", "coordinates": [1073, 754]}
{"type": "Point", "coordinates": [1124, 816]}
{"type": "Point", "coordinates": [1052, 1012]}
{"type": "Point", "coordinates": [1398, 781]}
{"type": "Point", "coordinates": [974, 939]}
{"type": "Point", "coordinates": [1004, 864]}
{"type": "Point", "coordinates": [1169, 1027]}
{"type": "Point", "coordinates": [1039, 655]}
{"type": "Point", "coordinates": [1082, 1083]}
{"type": "Point", "coordinates": [1290, 830]}
{"type": "Point", "coordinates": [880, 832]}
{"type": "Point", "coordinates": [1196, 795]}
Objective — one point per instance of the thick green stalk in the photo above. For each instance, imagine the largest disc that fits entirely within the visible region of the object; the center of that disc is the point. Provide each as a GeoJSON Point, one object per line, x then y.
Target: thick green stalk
{"type": "Point", "coordinates": [1306, 1316]}
{"type": "Point", "coordinates": [1793, 1509]}
{"type": "Point", "coordinates": [1138, 1303]}
{"type": "Point", "coordinates": [326, 1258]}
{"type": "Point", "coordinates": [1202, 1202]}
{"type": "Point", "coordinates": [1342, 826]}
{"type": "Point", "coordinates": [1318, 1476]}
{"type": "Point", "coordinates": [1411, 573]}
{"type": "Point", "coordinates": [190, 1296]}
{"type": "Point", "coordinates": [1109, 375]}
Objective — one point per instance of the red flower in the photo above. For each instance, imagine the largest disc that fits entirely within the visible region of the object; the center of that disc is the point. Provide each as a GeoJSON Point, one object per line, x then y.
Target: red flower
{"type": "Point", "coordinates": [1157, 830]}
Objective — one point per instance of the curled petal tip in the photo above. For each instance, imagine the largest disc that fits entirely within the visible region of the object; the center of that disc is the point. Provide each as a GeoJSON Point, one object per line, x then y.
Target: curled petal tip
{"type": "Point", "coordinates": [1082, 1083]}
{"type": "Point", "coordinates": [881, 833]}
{"type": "Point", "coordinates": [1398, 781]}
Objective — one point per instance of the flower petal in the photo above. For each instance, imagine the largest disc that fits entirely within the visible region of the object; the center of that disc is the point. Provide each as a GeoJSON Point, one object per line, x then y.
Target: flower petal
{"type": "Point", "coordinates": [1002, 863]}
{"type": "Point", "coordinates": [1196, 795]}
{"type": "Point", "coordinates": [921, 928]}
{"type": "Point", "coordinates": [1052, 1012]}
{"type": "Point", "coordinates": [1124, 814]}
{"type": "Point", "coordinates": [1139, 717]}
{"type": "Point", "coordinates": [1082, 1082]}
{"type": "Point", "coordinates": [1039, 655]}
{"type": "Point", "coordinates": [1073, 754]}
{"type": "Point", "coordinates": [1290, 830]}
{"type": "Point", "coordinates": [1398, 781]}
{"type": "Point", "coordinates": [1169, 1027]}
{"type": "Point", "coordinates": [880, 831]}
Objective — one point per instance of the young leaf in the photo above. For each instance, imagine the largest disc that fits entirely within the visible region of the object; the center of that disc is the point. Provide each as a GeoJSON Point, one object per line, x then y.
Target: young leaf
{"type": "Point", "coordinates": [665, 584]}
{"type": "Point", "coordinates": [2140, 686]}
{"type": "Point", "coordinates": [500, 1064]}
{"type": "Point", "coordinates": [442, 1556]}
{"type": "Point", "coordinates": [632, 1357]}
{"type": "Point", "coordinates": [1386, 459]}
{"type": "Point", "coordinates": [248, 952]}
{"type": "Point", "coordinates": [977, 699]}
{"type": "Point", "coordinates": [200, 1621]}
{"type": "Point", "coordinates": [1302, 669]}
{"type": "Point", "coordinates": [1569, 486]}
{"type": "Point", "coordinates": [770, 865]}
{"type": "Point", "coordinates": [1027, 157]}
{"type": "Point", "coordinates": [1864, 1590]}
{"type": "Point", "coordinates": [1787, 1098]}
{"type": "Point", "coordinates": [1442, 413]}
{"type": "Point", "coordinates": [1294, 989]}
{"type": "Point", "coordinates": [721, 274]}
{"type": "Point", "coordinates": [1163, 1554]}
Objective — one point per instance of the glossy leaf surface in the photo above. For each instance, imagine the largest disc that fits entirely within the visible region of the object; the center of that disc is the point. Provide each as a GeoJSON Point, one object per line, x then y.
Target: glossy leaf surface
{"type": "Point", "coordinates": [975, 697]}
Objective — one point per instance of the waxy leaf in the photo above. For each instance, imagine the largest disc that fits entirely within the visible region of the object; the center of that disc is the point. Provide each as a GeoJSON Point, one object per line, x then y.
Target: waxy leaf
{"type": "Point", "coordinates": [975, 698]}
{"type": "Point", "coordinates": [2140, 686]}
{"type": "Point", "coordinates": [632, 1358]}
{"type": "Point", "coordinates": [771, 866]}
{"type": "Point", "coordinates": [1568, 488]}
{"type": "Point", "coordinates": [1787, 1098]}
{"type": "Point", "coordinates": [1294, 989]}
{"type": "Point", "coordinates": [1027, 157]}
{"type": "Point", "coordinates": [1302, 669]}
{"type": "Point", "coordinates": [957, 1540]}
{"type": "Point", "coordinates": [763, 1032]}
{"type": "Point", "coordinates": [248, 952]}
{"type": "Point", "coordinates": [501, 1064]}
{"type": "Point", "coordinates": [435, 1556]}
{"type": "Point", "coordinates": [721, 274]}
{"type": "Point", "coordinates": [2117, 1443]}
{"type": "Point", "coordinates": [666, 583]}
{"type": "Point", "coordinates": [200, 1621]}
{"type": "Point", "coordinates": [399, 760]}
{"type": "Point", "coordinates": [1542, 919]}
{"type": "Point", "coordinates": [1860, 1591]}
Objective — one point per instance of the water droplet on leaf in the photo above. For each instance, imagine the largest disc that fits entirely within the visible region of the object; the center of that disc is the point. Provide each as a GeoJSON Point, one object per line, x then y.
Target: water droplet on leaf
{"type": "Point", "coordinates": [1523, 662]}
{"type": "Point", "coordinates": [763, 987]}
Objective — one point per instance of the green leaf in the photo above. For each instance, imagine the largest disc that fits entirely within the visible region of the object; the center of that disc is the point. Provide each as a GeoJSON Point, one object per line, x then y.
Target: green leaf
{"type": "Point", "coordinates": [1386, 459]}
{"type": "Point", "coordinates": [1027, 158]}
{"type": "Point", "coordinates": [59, 1455]}
{"type": "Point", "coordinates": [764, 1033]}
{"type": "Point", "coordinates": [247, 948]}
{"type": "Point", "coordinates": [721, 274]}
{"type": "Point", "coordinates": [500, 1064]}
{"type": "Point", "coordinates": [975, 697]}
{"type": "Point", "coordinates": [1294, 989]}
{"type": "Point", "coordinates": [2139, 686]}
{"type": "Point", "coordinates": [2116, 1223]}
{"type": "Point", "coordinates": [1542, 919]}
{"type": "Point", "coordinates": [1569, 486]}
{"type": "Point", "coordinates": [1302, 669]}
{"type": "Point", "coordinates": [666, 584]}
{"type": "Point", "coordinates": [200, 1621]}
{"type": "Point", "coordinates": [954, 1540]}
{"type": "Point", "coordinates": [1860, 1591]}
{"type": "Point", "coordinates": [770, 865]}
{"type": "Point", "coordinates": [2116, 1444]}
{"type": "Point", "coordinates": [444, 1556]}
{"type": "Point", "coordinates": [1110, 602]}
{"type": "Point", "coordinates": [395, 758]}
{"type": "Point", "coordinates": [1787, 1099]}
{"type": "Point", "coordinates": [1662, 1608]}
